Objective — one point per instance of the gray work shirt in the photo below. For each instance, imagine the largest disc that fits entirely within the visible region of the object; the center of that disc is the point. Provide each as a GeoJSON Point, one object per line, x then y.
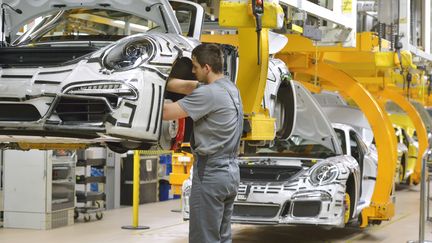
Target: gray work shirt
{"type": "Point", "coordinates": [215, 118]}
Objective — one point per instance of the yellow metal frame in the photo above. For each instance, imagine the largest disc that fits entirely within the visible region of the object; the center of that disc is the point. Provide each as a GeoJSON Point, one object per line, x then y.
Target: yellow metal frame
{"type": "Point", "coordinates": [352, 71]}
{"type": "Point", "coordinates": [251, 81]}
{"type": "Point", "coordinates": [403, 103]}
{"type": "Point", "coordinates": [252, 76]}
{"type": "Point", "coordinates": [382, 207]}
{"type": "Point", "coordinates": [239, 14]}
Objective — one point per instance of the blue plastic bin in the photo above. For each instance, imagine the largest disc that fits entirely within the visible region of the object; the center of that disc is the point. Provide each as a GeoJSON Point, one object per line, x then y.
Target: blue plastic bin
{"type": "Point", "coordinates": [94, 187]}
{"type": "Point", "coordinates": [165, 161]}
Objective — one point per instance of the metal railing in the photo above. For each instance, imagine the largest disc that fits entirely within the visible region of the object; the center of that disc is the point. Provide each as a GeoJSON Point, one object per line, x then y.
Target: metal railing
{"type": "Point", "coordinates": [423, 198]}
{"type": "Point", "coordinates": [429, 197]}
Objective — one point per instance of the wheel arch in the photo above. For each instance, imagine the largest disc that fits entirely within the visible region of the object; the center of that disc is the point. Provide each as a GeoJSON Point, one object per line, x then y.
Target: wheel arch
{"type": "Point", "coordinates": [351, 189]}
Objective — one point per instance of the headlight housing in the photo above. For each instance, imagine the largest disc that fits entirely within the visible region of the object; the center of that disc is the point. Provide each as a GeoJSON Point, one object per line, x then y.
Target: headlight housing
{"type": "Point", "coordinates": [128, 53]}
{"type": "Point", "coordinates": [114, 91]}
{"type": "Point", "coordinates": [323, 173]}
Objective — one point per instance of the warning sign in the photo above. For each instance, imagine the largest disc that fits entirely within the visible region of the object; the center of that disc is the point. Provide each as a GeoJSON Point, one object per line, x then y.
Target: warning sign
{"type": "Point", "coordinates": [347, 6]}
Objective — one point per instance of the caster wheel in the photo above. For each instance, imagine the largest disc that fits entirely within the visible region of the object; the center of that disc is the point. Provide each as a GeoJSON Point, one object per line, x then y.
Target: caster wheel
{"type": "Point", "coordinates": [86, 218]}
{"type": "Point", "coordinates": [99, 215]}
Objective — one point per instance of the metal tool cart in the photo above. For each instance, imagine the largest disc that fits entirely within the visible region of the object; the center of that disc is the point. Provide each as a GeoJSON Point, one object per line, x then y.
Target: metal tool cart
{"type": "Point", "coordinates": [90, 202]}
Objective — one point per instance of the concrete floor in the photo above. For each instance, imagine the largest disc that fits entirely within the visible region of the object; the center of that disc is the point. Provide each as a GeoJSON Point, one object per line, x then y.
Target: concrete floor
{"type": "Point", "coordinates": [167, 226]}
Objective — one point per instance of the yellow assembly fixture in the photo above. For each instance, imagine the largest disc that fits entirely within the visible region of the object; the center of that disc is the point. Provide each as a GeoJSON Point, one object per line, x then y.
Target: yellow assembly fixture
{"type": "Point", "coordinates": [352, 71]}
{"type": "Point", "coordinates": [382, 206]}
{"type": "Point", "coordinates": [181, 164]}
{"type": "Point", "coordinates": [369, 74]}
{"type": "Point", "coordinates": [253, 65]}
{"type": "Point", "coordinates": [416, 120]}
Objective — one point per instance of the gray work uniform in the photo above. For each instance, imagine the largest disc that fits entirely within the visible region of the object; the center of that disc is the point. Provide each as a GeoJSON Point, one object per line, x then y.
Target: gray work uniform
{"type": "Point", "coordinates": [217, 113]}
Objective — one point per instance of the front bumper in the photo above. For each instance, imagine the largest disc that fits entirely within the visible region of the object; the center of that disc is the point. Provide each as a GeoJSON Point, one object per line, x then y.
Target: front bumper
{"type": "Point", "coordinates": [35, 105]}
{"type": "Point", "coordinates": [285, 206]}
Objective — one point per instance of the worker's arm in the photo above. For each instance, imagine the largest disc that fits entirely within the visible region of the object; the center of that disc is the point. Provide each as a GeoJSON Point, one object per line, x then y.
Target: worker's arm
{"type": "Point", "coordinates": [172, 111]}
{"type": "Point", "coordinates": [181, 86]}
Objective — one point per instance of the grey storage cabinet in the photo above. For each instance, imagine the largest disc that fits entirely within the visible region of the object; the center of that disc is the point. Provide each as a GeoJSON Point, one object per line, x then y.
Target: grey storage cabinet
{"type": "Point", "coordinates": [44, 178]}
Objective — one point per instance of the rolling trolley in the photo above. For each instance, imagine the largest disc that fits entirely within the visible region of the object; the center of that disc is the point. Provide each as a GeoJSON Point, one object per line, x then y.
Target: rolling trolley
{"type": "Point", "coordinates": [91, 202]}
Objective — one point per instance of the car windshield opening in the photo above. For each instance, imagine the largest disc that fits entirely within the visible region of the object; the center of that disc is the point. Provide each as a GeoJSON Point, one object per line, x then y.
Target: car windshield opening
{"type": "Point", "coordinates": [295, 146]}
{"type": "Point", "coordinates": [84, 25]}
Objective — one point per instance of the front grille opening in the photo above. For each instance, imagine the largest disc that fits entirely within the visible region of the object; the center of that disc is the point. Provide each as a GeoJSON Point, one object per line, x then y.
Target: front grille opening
{"type": "Point", "coordinates": [285, 209]}
{"type": "Point", "coordinates": [82, 110]}
{"type": "Point", "coordinates": [255, 211]}
{"type": "Point", "coordinates": [267, 173]}
{"type": "Point", "coordinates": [112, 99]}
{"type": "Point", "coordinates": [19, 112]}
{"type": "Point", "coordinates": [306, 208]}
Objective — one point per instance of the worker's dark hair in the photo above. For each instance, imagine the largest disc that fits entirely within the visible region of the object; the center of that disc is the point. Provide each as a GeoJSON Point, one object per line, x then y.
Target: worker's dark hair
{"type": "Point", "coordinates": [210, 54]}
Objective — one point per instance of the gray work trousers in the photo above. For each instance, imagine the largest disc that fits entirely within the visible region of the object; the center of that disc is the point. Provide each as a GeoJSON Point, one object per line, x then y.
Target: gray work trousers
{"type": "Point", "coordinates": [212, 199]}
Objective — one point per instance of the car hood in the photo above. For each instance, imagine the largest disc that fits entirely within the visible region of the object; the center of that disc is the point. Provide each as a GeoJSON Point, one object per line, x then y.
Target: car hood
{"type": "Point", "coordinates": [34, 8]}
{"type": "Point", "coordinates": [347, 115]}
{"type": "Point", "coordinates": [311, 122]}
{"type": "Point", "coordinates": [338, 111]}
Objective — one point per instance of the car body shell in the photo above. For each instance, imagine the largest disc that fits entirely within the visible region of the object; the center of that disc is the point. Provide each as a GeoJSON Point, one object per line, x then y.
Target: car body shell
{"type": "Point", "coordinates": [291, 196]}
{"type": "Point", "coordinates": [81, 99]}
